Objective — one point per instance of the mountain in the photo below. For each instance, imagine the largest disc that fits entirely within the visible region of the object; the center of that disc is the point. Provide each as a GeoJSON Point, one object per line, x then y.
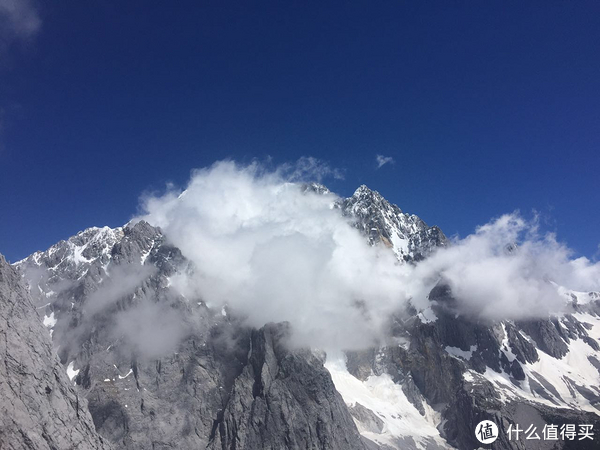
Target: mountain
{"type": "Point", "coordinates": [39, 407]}
{"type": "Point", "coordinates": [107, 294]}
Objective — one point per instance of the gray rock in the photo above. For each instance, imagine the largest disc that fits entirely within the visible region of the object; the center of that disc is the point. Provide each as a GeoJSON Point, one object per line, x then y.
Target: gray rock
{"type": "Point", "coordinates": [284, 399]}
{"type": "Point", "coordinates": [367, 418]}
{"type": "Point", "coordinates": [39, 408]}
{"type": "Point", "coordinates": [547, 336]}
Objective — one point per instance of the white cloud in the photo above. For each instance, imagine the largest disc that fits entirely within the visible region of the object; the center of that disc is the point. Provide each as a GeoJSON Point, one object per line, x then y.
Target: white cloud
{"type": "Point", "coordinates": [274, 253]}
{"type": "Point", "coordinates": [152, 329]}
{"type": "Point", "coordinates": [494, 281]}
{"type": "Point", "coordinates": [383, 160]}
{"type": "Point", "coordinates": [121, 283]}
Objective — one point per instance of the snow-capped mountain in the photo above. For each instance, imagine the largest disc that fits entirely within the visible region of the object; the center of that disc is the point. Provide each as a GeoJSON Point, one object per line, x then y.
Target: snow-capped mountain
{"type": "Point", "coordinates": [228, 385]}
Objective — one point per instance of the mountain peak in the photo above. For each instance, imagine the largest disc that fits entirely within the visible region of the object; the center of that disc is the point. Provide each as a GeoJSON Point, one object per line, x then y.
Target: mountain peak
{"type": "Point", "coordinates": [362, 190]}
{"type": "Point", "coordinates": [364, 193]}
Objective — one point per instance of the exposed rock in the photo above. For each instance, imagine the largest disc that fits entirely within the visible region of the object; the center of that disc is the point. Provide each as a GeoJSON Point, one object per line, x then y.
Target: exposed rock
{"type": "Point", "coordinates": [367, 418]}
{"type": "Point", "coordinates": [285, 399]}
{"type": "Point", "coordinates": [39, 408]}
{"type": "Point", "coordinates": [546, 335]}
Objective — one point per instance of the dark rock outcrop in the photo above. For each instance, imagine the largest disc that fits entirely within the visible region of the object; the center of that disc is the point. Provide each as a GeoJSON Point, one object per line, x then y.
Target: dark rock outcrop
{"type": "Point", "coordinates": [284, 399]}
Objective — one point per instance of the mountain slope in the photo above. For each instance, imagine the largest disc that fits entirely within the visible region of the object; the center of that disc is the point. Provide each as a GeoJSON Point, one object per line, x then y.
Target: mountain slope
{"type": "Point", "coordinates": [219, 383]}
{"type": "Point", "coordinates": [39, 409]}
{"type": "Point", "coordinates": [470, 371]}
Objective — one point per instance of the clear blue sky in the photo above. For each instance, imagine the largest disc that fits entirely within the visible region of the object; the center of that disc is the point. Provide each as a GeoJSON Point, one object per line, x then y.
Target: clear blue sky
{"type": "Point", "coordinates": [486, 107]}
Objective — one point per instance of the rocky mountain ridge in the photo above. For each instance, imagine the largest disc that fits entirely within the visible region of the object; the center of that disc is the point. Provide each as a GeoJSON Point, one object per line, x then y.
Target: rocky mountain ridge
{"type": "Point", "coordinates": [226, 385]}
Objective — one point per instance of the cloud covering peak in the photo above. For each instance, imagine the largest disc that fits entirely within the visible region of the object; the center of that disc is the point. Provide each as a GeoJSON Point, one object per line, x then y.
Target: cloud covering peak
{"type": "Point", "coordinates": [274, 252]}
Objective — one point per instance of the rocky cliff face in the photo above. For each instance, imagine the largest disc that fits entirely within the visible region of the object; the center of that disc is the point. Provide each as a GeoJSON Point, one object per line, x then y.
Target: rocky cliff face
{"type": "Point", "coordinates": [39, 407]}
{"type": "Point", "coordinates": [284, 399]}
{"type": "Point", "coordinates": [218, 383]}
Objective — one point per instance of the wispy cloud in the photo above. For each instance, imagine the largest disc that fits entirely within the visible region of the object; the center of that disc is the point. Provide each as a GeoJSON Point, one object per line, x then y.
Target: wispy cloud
{"type": "Point", "coordinates": [309, 168]}
{"type": "Point", "coordinates": [383, 160]}
{"type": "Point", "coordinates": [19, 21]}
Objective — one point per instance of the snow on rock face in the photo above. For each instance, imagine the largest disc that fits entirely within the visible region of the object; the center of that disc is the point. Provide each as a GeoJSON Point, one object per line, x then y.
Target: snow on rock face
{"type": "Point", "coordinates": [427, 315]}
{"type": "Point", "coordinates": [122, 377]}
{"type": "Point", "coordinates": [83, 262]}
{"type": "Point", "coordinates": [64, 277]}
{"type": "Point", "coordinates": [315, 187]}
{"type": "Point", "coordinates": [578, 297]}
{"type": "Point", "coordinates": [568, 381]}
{"type": "Point", "coordinates": [49, 321]}
{"type": "Point", "coordinates": [382, 412]}
{"type": "Point", "coordinates": [549, 364]}
{"type": "Point", "coordinates": [72, 260]}
{"type": "Point", "coordinates": [458, 353]}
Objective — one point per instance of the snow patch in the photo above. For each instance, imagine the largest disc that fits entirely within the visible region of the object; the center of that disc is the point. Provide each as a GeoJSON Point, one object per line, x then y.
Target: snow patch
{"type": "Point", "coordinates": [459, 353]}
{"type": "Point", "coordinates": [389, 403]}
{"type": "Point", "coordinates": [146, 254]}
{"type": "Point", "coordinates": [562, 374]}
{"type": "Point", "coordinates": [71, 372]}
{"type": "Point", "coordinates": [77, 257]}
{"type": "Point", "coordinates": [427, 315]}
{"type": "Point", "coordinates": [125, 376]}
{"type": "Point", "coordinates": [581, 298]}
{"type": "Point", "coordinates": [505, 346]}
{"type": "Point", "coordinates": [50, 321]}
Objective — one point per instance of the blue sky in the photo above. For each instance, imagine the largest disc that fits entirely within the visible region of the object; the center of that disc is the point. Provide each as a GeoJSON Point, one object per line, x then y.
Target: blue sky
{"type": "Point", "coordinates": [485, 107]}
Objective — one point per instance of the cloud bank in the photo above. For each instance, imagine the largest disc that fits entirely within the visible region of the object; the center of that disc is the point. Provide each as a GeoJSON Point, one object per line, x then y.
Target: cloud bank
{"type": "Point", "coordinates": [274, 252]}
